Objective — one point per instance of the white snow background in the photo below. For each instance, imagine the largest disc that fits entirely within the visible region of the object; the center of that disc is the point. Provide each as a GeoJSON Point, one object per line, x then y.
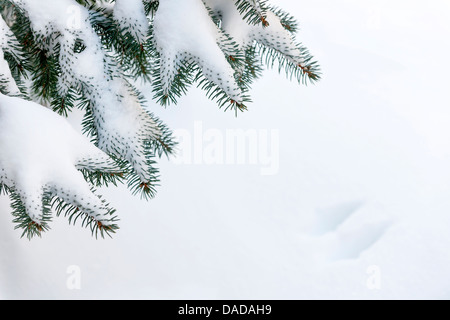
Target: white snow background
{"type": "Point", "coordinates": [362, 190]}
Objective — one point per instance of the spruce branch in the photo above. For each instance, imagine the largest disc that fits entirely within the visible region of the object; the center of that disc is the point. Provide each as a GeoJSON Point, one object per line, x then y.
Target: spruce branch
{"type": "Point", "coordinates": [253, 11]}
{"type": "Point", "coordinates": [221, 46]}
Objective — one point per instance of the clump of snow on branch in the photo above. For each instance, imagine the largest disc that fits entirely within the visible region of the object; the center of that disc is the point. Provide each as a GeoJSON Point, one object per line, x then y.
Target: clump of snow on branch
{"type": "Point", "coordinates": [42, 153]}
{"type": "Point", "coordinates": [8, 42]}
{"type": "Point", "coordinates": [271, 33]}
{"type": "Point", "coordinates": [131, 17]}
{"type": "Point", "coordinates": [195, 38]}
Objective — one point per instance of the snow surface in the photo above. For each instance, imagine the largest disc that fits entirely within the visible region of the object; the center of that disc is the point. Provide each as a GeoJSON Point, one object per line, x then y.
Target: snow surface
{"type": "Point", "coordinates": [359, 207]}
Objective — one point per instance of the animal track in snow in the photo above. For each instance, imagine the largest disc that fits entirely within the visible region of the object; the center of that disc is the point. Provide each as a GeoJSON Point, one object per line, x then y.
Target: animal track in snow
{"type": "Point", "coordinates": [345, 230]}
{"type": "Point", "coordinates": [350, 244]}
{"type": "Point", "coordinates": [329, 219]}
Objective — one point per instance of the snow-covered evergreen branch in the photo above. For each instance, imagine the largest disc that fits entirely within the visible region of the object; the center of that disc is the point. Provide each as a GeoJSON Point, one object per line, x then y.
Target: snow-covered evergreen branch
{"type": "Point", "coordinates": [86, 54]}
